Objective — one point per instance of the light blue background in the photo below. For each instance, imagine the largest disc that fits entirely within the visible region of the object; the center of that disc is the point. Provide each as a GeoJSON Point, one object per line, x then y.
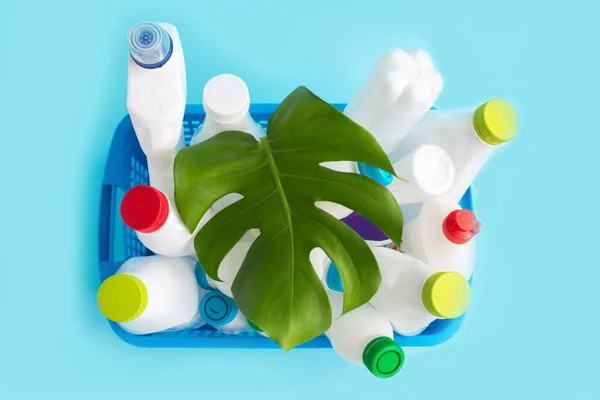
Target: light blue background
{"type": "Point", "coordinates": [532, 330]}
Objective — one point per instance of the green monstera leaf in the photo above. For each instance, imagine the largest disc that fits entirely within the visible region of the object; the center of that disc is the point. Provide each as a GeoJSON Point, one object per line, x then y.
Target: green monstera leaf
{"type": "Point", "coordinates": [280, 179]}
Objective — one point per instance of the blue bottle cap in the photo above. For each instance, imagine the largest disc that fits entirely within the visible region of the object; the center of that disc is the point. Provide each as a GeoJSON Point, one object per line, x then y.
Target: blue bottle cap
{"type": "Point", "coordinates": [333, 278]}
{"type": "Point", "coordinates": [217, 309]}
{"type": "Point", "coordinates": [378, 175]}
{"type": "Point", "coordinates": [201, 278]}
{"type": "Point", "coordinates": [150, 46]}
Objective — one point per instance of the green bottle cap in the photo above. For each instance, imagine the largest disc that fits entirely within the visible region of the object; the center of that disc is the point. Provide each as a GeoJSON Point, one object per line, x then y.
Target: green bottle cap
{"type": "Point", "coordinates": [383, 357]}
{"type": "Point", "coordinates": [495, 122]}
{"type": "Point", "coordinates": [122, 298]}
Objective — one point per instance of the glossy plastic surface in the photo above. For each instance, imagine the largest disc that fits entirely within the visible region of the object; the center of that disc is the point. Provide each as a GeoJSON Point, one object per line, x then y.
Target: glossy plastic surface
{"type": "Point", "coordinates": [125, 168]}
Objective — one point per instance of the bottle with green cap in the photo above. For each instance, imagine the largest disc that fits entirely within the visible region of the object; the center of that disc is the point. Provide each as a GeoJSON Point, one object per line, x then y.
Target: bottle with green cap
{"type": "Point", "coordinates": [153, 294]}
{"type": "Point", "coordinates": [412, 295]}
{"type": "Point", "coordinates": [364, 336]}
{"type": "Point", "coordinates": [469, 137]}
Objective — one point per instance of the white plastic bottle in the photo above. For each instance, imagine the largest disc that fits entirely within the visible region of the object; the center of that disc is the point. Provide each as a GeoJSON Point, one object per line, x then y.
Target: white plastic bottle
{"type": "Point", "coordinates": [412, 294]}
{"type": "Point", "coordinates": [152, 294]}
{"type": "Point", "coordinates": [156, 223]}
{"type": "Point", "coordinates": [156, 96]}
{"type": "Point", "coordinates": [442, 236]}
{"type": "Point", "coordinates": [222, 313]}
{"type": "Point", "coordinates": [469, 138]}
{"type": "Point", "coordinates": [364, 336]}
{"type": "Point", "coordinates": [226, 101]}
{"type": "Point", "coordinates": [427, 172]}
{"type": "Point", "coordinates": [399, 91]}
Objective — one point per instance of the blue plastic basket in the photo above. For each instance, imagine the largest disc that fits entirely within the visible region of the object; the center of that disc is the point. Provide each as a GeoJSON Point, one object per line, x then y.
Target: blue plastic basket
{"type": "Point", "coordinates": [126, 167]}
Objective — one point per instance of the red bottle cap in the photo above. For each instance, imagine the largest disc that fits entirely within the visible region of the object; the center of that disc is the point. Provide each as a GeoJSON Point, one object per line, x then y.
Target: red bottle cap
{"type": "Point", "coordinates": [144, 209]}
{"type": "Point", "coordinates": [460, 226]}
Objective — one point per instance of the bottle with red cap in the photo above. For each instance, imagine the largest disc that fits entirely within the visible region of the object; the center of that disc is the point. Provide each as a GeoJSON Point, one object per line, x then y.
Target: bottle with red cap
{"type": "Point", "coordinates": [153, 217]}
{"type": "Point", "coordinates": [442, 236]}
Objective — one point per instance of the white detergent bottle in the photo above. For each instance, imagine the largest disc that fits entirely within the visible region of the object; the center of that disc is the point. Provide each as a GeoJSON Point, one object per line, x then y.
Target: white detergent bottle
{"type": "Point", "coordinates": [469, 138]}
{"type": "Point", "coordinates": [152, 216]}
{"type": "Point", "coordinates": [412, 295]}
{"type": "Point", "coordinates": [152, 294]}
{"type": "Point", "coordinates": [222, 313]}
{"type": "Point", "coordinates": [364, 336]}
{"type": "Point", "coordinates": [427, 172]}
{"type": "Point", "coordinates": [442, 236]}
{"type": "Point", "coordinates": [399, 91]}
{"type": "Point", "coordinates": [226, 101]}
{"type": "Point", "coordinates": [156, 96]}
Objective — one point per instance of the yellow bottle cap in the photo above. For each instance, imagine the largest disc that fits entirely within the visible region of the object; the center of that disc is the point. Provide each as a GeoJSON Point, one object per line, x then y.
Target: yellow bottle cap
{"type": "Point", "coordinates": [495, 122]}
{"type": "Point", "coordinates": [122, 298]}
{"type": "Point", "coordinates": [446, 294]}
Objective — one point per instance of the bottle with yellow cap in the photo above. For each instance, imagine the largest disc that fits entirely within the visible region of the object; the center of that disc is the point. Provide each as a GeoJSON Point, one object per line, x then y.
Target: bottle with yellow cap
{"type": "Point", "coordinates": [364, 336]}
{"type": "Point", "coordinates": [469, 138]}
{"type": "Point", "coordinates": [153, 294]}
{"type": "Point", "coordinates": [412, 295]}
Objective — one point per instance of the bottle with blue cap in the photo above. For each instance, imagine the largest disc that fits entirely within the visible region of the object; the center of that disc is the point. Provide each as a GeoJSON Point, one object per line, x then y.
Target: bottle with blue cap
{"type": "Point", "coordinates": [364, 336]}
{"type": "Point", "coordinates": [412, 294]}
{"type": "Point", "coordinates": [469, 137]}
{"type": "Point", "coordinates": [153, 294]}
{"type": "Point", "coordinates": [222, 313]}
{"type": "Point", "coordinates": [156, 97]}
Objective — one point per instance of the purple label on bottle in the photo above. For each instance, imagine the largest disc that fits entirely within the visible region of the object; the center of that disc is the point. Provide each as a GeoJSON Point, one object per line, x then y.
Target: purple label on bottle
{"type": "Point", "coordinates": [364, 227]}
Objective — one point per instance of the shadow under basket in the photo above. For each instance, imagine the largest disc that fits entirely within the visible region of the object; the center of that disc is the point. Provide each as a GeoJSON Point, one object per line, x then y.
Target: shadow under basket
{"type": "Point", "coordinates": [125, 168]}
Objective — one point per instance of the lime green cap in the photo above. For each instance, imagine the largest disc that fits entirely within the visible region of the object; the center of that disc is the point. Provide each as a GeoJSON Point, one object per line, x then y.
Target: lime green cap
{"type": "Point", "coordinates": [495, 122]}
{"type": "Point", "coordinates": [122, 298]}
{"type": "Point", "coordinates": [253, 326]}
{"type": "Point", "coordinates": [383, 357]}
{"type": "Point", "coordinates": [446, 294]}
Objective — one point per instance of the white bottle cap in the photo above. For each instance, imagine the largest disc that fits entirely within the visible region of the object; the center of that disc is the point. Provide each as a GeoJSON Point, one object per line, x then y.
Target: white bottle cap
{"type": "Point", "coordinates": [429, 168]}
{"type": "Point", "coordinates": [226, 98]}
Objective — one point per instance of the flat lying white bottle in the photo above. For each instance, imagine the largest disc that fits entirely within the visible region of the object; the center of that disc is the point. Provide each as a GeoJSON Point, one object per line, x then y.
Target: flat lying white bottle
{"type": "Point", "coordinates": [442, 236]}
{"type": "Point", "coordinates": [412, 295]}
{"type": "Point", "coordinates": [469, 138]}
{"type": "Point", "coordinates": [364, 336]}
{"type": "Point", "coordinates": [428, 172]}
{"type": "Point", "coordinates": [399, 91]}
{"type": "Point", "coordinates": [156, 223]}
{"type": "Point", "coordinates": [156, 96]}
{"type": "Point", "coordinates": [222, 313]}
{"type": "Point", "coordinates": [226, 101]}
{"type": "Point", "coordinates": [152, 294]}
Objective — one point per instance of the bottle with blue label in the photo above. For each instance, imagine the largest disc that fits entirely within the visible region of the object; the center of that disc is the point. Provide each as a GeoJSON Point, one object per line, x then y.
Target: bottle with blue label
{"type": "Point", "coordinates": [156, 97]}
{"type": "Point", "coordinates": [222, 313]}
